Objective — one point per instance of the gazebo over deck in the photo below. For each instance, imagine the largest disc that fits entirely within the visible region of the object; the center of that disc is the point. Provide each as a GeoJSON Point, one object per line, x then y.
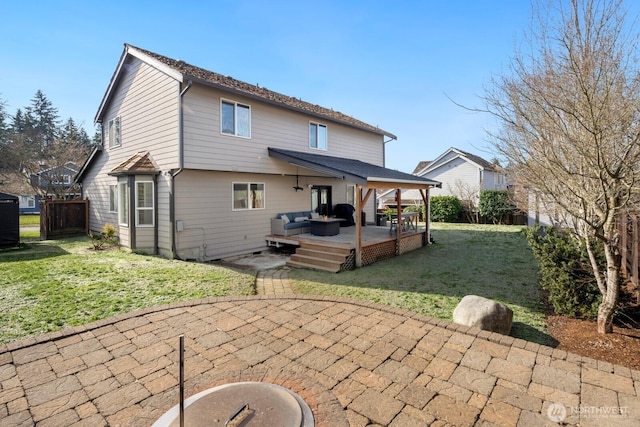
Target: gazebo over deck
{"type": "Point", "coordinates": [367, 178]}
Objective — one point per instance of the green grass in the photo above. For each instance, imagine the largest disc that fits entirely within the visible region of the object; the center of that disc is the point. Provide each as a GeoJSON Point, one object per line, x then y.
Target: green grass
{"type": "Point", "coordinates": [29, 220]}
{"type": "Point", "coordinates": [46, 286]}
{"type": "Point", "coordinates": [487, 260]}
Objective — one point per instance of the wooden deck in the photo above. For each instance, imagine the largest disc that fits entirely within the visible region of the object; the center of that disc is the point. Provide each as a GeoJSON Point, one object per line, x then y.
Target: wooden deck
{"type": "Point", "coordinates": [337, 253]}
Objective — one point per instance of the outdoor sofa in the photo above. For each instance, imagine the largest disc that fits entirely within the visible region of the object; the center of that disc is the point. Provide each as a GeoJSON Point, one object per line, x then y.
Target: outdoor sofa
{"type": "Point", "coordinates": [291, 223]}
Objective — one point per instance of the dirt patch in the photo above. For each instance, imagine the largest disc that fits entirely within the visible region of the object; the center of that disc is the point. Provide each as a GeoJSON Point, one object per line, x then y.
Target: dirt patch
{"type": "Point", "coordinates": [622, 347]}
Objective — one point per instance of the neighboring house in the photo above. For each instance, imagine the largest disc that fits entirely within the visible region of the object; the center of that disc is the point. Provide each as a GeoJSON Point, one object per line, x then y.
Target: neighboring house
{"type": "Point", "coordinates": [18, 185]}
{"type": "Point", "coordinates": [462, 174]}
{"type": "Point", "coordinates": [57, 182]}
{"type": "Point", "coordinates": [195, 164]}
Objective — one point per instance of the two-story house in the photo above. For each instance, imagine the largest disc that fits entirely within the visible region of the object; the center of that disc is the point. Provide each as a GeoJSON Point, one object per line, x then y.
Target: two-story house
{"type": "Point", "coordinates": [194, 164]}
{"type": "Point", "coordinates": [462, 174]}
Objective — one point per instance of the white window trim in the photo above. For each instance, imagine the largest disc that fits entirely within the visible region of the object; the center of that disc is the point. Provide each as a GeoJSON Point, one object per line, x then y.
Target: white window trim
{"type": "Point", "coordinates": [235, 118]}
{"type": "Point", "coordinates": [146, 208]}
{"type": "Point", "coordinates": [113, 198]}
{"type": "Point", "coordinates": [318, 124]}
{"type": "Point", "coordinates": [122, 213]}
{"type": "Point", "coordinates": [248, 184]}
{"type": "Point", "coordinates": [117, 123]}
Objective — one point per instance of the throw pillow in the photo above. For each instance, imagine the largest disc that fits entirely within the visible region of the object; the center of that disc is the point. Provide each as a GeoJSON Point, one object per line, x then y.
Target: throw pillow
{"type": "Point", "coordinates": [285, 219]}
{"type": "Point", "coordinates": [300, 219]}
{"type": "Point", "coordinates": [315, 215]}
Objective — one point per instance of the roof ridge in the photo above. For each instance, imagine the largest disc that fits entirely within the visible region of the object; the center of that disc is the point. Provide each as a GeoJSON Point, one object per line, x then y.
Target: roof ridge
{"type": "Point", "coordinates": [256, 91]}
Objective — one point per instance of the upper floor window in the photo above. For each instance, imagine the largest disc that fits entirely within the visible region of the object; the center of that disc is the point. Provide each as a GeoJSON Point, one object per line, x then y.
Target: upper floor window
{"type": "Point", "coordinates": [248, 195]}
{"type": "Point", "coordinates": [61, 179]}
{"type": "Point", "coordinates": [114, 132]}
{"type": "Point", "coordinates": [235, 119]}
{"type": "Point", "coordinates": [317, 136]}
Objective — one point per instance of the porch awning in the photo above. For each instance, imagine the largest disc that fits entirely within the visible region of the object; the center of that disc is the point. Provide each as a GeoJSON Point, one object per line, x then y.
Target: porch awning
{"type": "Point", "coordinates": [361, 173]}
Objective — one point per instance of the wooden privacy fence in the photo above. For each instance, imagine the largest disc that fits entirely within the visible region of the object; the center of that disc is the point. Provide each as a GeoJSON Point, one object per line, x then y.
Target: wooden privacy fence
{"type": "Point", "coordinates": [629, 226]}
{"type": "Point", "coordinates": [59, 218]}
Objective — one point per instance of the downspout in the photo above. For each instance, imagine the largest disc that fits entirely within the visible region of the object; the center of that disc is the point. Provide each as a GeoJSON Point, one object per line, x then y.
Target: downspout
{"type": "Point", "coordinates": [384, 165]}
{"type": "Point", "coordinates": [156, 251]}
{"type": "Point", "coordinates": [175, 172]}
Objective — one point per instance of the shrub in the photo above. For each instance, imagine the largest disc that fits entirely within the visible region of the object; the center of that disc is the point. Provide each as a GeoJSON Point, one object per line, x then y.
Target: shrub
{"type": "Point", "coordinates": [445, 208]}
{"type": "Point", "coordinates": [566, 272]}
{"type": "Point", "coordinates": [495, 204]}
{"type": "Point", "coordinates": [106, 236]}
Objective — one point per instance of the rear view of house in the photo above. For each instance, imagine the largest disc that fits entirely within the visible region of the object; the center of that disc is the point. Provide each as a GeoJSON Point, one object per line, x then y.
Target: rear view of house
{"type": "Point", "coordinates": [194, 164]}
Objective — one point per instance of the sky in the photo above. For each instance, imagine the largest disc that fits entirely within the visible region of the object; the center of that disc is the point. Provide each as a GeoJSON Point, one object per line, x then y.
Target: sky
{"type": "Point", "coordinates": [399, 65]}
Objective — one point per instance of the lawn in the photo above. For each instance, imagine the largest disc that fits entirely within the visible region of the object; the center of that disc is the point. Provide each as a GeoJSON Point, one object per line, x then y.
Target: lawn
{"type": "Point", "coordinates": [29, 221]}
{"type": "Point", "coordinates": [46, 286]}
{"type": "Point", "coordinates": [487, 260]}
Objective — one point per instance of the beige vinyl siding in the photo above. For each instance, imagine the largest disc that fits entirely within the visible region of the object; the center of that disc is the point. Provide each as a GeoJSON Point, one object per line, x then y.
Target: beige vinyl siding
{"type": "Point", "coordinates": [206, 148]}
{"type": "Point", "coordinates": [213, 231]}
{"type": "Point", "coordinates": [164, 225]}
{"type": "Point", "coordinates": [147, 101]}
{"type": "Point", "coordinates": [451, 172]}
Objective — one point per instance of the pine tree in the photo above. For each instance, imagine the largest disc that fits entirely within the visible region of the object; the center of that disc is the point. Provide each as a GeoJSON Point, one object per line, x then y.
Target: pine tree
{"type": "Point", "coordinates": [43, 120]}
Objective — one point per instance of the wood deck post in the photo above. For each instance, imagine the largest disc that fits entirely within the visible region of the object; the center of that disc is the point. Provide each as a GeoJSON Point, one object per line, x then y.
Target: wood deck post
{"type": "Point", "coordinates": [358, 218]}
{"type": "Point", "coordinates": [399, 219]}
{"type": "Point", "coordinates": [427, 219]}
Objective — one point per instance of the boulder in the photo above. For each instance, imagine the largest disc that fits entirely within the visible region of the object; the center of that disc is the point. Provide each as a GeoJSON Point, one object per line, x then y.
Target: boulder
{"type": "Point", "coordinates": [483, 313]}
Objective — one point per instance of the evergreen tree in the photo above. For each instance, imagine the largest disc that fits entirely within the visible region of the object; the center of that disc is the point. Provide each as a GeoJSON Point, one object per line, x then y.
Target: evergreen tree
{"type": "Point", "coordinates": [43, 120]}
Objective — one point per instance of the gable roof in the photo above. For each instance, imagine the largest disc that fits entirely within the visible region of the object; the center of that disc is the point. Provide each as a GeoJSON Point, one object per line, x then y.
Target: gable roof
{"type": "Point", "coordinates": [472, 158]}
{"type": "Point", "coordinates": [421, 165]}
{"type": "Point", "coordinates": [350, 169]}
{"type": "Point", "coordinates": [140, 163]}
{"type": "Point", "coordinates": [183, 71]}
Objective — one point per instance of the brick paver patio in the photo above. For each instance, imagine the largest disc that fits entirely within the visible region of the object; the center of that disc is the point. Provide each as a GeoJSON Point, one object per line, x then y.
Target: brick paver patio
{"type": "Point", "coordinates": [354, 363]}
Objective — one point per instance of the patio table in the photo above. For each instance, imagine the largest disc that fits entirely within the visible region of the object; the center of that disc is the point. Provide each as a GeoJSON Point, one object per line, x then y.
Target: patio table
{"type": "Point", "coordinates": [325, 227]}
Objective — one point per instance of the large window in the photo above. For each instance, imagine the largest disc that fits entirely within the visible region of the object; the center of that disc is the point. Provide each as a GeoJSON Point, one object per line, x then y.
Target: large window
{"type": "Point", "coordinates": [113, 198]}
{"type": "Point", "coordinates": [123, 203]}
{"type": "Point", "coordinates": [144, 203]}
{"type": "Point", "coordinates": [248, 195]}
{"type": "Point", "coordinates": [114, 132]}
{"type": "Point", "coordinates": [317, 136]}
{"type": "Point", "coordinates": [235, 119]}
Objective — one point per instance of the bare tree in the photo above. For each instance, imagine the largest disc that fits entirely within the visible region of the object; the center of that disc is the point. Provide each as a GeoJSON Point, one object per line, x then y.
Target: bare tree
{"type": "Point", "coordinates": [468, 195]}
{"type": "Point", "coordinates": [569, 124]}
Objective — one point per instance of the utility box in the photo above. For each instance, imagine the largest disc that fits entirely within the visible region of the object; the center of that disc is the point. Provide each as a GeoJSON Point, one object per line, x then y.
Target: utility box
{"type": "Point", "coordinates": [9, 220]}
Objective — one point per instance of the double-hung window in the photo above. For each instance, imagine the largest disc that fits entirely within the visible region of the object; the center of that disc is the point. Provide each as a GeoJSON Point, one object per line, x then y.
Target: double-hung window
{"type": "Point", "coordinates": [317, 136]}
{"type": "Point", "coordinates": [123, 203]}
{"type": "Point", "coordinates": [144, 203]}
{"type": "Point", "coordinates": [248, 195]}
{"type": "Point", "coordinates": [113, 130]}
{"type": "Point", "coordinates": [235, 119]}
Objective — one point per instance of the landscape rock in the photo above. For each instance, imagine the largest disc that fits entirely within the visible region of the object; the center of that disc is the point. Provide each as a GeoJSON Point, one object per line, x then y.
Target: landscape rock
{"type": "Point", "coordinates": [483, 313]}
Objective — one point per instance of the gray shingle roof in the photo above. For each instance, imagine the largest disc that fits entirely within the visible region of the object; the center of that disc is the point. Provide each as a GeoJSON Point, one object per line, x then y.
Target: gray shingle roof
{"type": "Point", "coordinates": [192, 72]}
{"type": "Point", "coordinates": [350, 169]}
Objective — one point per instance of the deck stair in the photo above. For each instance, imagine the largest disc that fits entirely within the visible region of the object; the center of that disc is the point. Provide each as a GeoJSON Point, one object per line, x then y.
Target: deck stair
{"type": "Point", "coordinates": [319, 256]}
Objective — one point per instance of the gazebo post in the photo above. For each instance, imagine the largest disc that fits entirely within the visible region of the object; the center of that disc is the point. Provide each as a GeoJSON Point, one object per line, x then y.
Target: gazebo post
{"type": "Point", "coordinates": [427, 214]}
{"type": "Point", "coordinates": [398, 219]}
{"type": "Point", "coordinates": [359, 205]}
